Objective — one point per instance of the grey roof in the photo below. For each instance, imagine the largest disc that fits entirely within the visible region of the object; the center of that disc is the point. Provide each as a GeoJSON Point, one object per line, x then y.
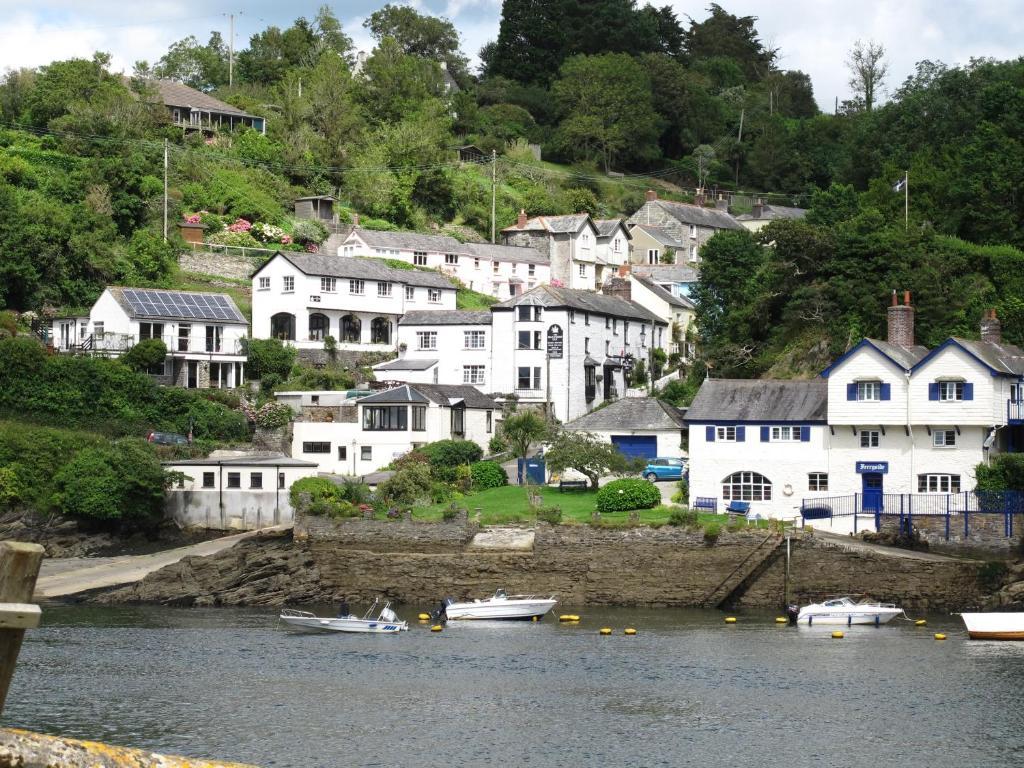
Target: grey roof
{"type": "Point", "coordinates": [160, 304]}
{"type": "Point", "coordinates": [402, 394]}
{"type": "Point", "coordinates": [607, 227]}
{"type": "Point", "coordinates": [698, 215]}
{"type": "Point", "coordinates": [413, 241]}
{"type": "Point", "coordinates": [572, 223]}
{"type": "Point", "coordinates": [905, 357]}
{"type": "Point", "coordinates": [667, 273]}
{"type": "Point", "coordinates": [406, 364]}
{"type": "Point", "coordinates": [661, 293]}
{"type": "Point", "coordinates": [630, 413]}
{"type": "Point", "coordinates": [771, 212]}
{"type": "Point", "coordinates": [174, 94]}
{"type": "Point", "coordinates": [754, 400]}
{"type": "Point", "coordinates": [255, 460]}
{"type": "Point", "coordinates": [446, 317]}
{"type": "Point", "coordinates": [1005, 358]}
{"type": "Point", "coordinates": [586, 301]}
{"type": "Point", "coordinates": [513, 253]}
{"type": "Point", "coordinates": [442, 394]}
{"type": "Point", "coordinates": [363, 269]}
{"type": "Point", "coordinates": [660, 234]}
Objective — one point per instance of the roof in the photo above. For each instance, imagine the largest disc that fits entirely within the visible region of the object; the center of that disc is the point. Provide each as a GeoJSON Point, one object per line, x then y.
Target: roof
{"type": "Point", "coordinates": [774, 212]}
{"type": "Point", "coordinates": [406, 364]}
{"type": "Point", "coordinates": [902, 357]}
{"type": "Point", "coordinates": [1002, 359]}
{"type": "Point", "coordinates": [255, 460]}
{"type": "Point", "coordinates": [161, 304]}
{"type": "Point", "coordinates": [174, 94]}
{"type": "Point", "coordinates": [754, 400]}
{"type": "Point", "coordinates": [362, 269]}
{"type": "Point", "coordinates": [630, 413]}
{"type": "Point", "coordinates": [698, 215]}
{"type": "Point", "coordinates": [668, 273]}
{"type": "Point", "coordinates": [661, 293]}
{"type": "Point", "coordinates": [402, 394]}
{"type": "Point", "coordinates": [446, 317]}
{"type": "Point", "coordinates": [607, 227]}
{"type": "Point", "coordinates": [316, 197]}
{"type": "Point", "coordinates": [663, 236]}
{"type": "Point", "coordinates": [586, 301]}
{"type": "Point", "coordinates": [442, 394]}
{"type": "Point", "coordinates": [571, 223]}
{"type": "Point", "coordinates": [413, 241]}
{"type": "Point", "coordinates": [516, 253]}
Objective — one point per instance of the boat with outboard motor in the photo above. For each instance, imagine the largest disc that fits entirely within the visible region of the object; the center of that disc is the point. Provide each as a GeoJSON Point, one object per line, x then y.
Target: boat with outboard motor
{"type": "Point", "coordinates": [994, 626]}
{"type": "Point", "coordinates": [386, 621]}
{"type": "Point", "coordinates": [844, 611]}
{"type": "Point", "coordinates": [500, 606]}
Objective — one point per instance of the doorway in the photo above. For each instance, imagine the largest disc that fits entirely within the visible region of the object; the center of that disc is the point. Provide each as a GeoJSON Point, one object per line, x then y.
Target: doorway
{"type": "Point", "coordinates": [872, 487]}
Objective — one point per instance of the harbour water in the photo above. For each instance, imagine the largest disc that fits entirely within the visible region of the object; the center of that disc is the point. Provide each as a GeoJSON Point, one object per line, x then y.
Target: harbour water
{"type": "Point", "coordinates": [686, 690]}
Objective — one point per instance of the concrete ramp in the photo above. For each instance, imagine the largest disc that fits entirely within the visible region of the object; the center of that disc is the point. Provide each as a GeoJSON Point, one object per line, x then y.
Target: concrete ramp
{"type": "Point", "coordinates": [503, 540]}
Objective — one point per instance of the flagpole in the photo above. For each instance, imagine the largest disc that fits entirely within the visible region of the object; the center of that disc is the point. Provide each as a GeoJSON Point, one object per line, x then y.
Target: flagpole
{"type": "Point", "coordinates": [906, 200]}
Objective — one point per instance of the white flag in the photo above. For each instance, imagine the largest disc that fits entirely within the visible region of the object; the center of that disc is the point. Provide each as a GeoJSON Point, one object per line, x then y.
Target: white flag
{"type": "Point", "coordinates": [900, 185]}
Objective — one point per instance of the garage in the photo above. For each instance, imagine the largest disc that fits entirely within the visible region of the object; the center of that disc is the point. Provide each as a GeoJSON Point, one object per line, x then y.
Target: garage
{"type": "Point", "coordinates": [636, 446]}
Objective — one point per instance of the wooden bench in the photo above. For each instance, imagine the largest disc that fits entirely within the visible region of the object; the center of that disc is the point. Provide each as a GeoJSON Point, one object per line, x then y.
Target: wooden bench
{"type": "Point", "coordinates": [572, 484]}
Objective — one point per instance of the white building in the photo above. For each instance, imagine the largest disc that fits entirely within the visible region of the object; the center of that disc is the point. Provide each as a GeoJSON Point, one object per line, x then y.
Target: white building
{"type": "Point", "coordinates": [446, 347]}
{"type": "Point", "coordinates": [203, 333]}
{"type": "Point", "coordinates": [303, 298]}
{"type": "Point", "coordinates": [234, 492]}
{"type": "Point", "coordinates": [899, 420]}
{"type": "Point", "coordinates": [640, 427]}
{"type": "Point", "coordinates": [676, 311]}
{"type": "Point", "coordinates": [569, 242]}
{"type": "Point", "coordinates": [377, 429]}
{"type": "Point", "coordinates": [613, 248]}
{"type": "Point", "coordinates": [497, 270]}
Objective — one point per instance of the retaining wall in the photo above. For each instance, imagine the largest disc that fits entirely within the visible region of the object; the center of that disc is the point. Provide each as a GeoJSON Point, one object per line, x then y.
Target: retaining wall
{"type": "Point", "coordinates": [985, 531]}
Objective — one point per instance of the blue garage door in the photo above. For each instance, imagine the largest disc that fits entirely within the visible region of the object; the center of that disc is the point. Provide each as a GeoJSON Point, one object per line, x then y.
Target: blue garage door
{"type": "Point", "coordinates": [633, 446]}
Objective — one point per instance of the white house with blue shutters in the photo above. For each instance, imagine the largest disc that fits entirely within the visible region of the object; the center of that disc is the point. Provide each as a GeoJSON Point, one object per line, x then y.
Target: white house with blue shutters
{"type": "Point", "coordinates": [887, 418]}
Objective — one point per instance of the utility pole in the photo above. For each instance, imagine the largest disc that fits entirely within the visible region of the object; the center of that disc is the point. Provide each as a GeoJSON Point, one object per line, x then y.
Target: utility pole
{"type": "Point", "coordinates": [231, 50]}
{"type": "Point", "coordinates": [906, 200]}
{"type": "Point", "coordinates": [165, 190]}
{"type": "Point", "coordinates": [494, 188]}
{"type": "Point", "coordinates": [739, 143]}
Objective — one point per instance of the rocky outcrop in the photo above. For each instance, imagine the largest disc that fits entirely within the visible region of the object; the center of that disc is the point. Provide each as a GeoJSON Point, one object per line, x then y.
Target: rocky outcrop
{"type": "Point", "coordinates": [59, 536]}
{"type": "Point", "coordinates": [1010, 593]}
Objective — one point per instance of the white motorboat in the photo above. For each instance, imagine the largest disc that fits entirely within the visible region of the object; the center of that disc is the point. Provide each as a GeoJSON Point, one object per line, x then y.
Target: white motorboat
{"type": "Point", "coordinates": [994, 626]}
{"type": "Point", "coordinates": [843, 610]}
{"type": "Point", "coordinates": [386, 622]}
{"type": "Point", "coordinates": [501, 605]}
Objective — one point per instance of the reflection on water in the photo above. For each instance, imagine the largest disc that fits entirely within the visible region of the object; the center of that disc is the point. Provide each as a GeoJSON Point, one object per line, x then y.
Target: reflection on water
{"type": "Point", "coordinates": [688, 689]}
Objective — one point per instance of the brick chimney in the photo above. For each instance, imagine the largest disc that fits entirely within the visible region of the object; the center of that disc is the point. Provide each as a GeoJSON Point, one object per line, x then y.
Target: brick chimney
{"type": "Point", "coordinates": [901, 321]}
{"type": "Point", "coordinates": [758, 210]}
{"type": "Point", "coordinates": [355, 220]}
{"type": "Point", "coordinates": [991, 328]}
{"type": "Point", "coordinates": [625, 269]}
{"type": "Point", "coordinates": [619, 287]}
{"type": "Point", "coordinates": [521, 222]}
{"type": "Point", "coordinates": [650, 195]}
{"type": "Point", "coordinates": [721, 203]}
{"type": "Point", "coordinates": [698, 196]}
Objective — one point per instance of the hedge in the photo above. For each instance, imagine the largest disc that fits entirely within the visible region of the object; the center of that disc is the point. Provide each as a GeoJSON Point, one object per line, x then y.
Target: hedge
{"type": "Point", "coordinates": [627, 494]}
{"type": "Point", "coordinates": [487, 474]}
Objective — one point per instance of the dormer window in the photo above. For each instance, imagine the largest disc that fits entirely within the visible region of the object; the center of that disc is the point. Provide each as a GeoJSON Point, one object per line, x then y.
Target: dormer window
{"type": "Point", "coordinates": [869, 390]}
{"type": "Point", "coordinates": [951, 390]}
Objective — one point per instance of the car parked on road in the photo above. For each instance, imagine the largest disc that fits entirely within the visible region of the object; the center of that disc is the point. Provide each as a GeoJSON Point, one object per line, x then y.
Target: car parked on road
{"type": "Point", "coordinates": [664, 469]}
{"type": "Point", "coordinates": [166, 438]}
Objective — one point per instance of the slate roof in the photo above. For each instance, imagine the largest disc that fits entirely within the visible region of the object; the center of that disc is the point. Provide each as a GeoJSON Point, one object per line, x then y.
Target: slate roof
{"type": "Point", "coordinates": [630, 413]}
{"type": "Point", "coordinates": [1003, 358]}
{"type": "Point", "coordinates": [514, 253]}
{"type": "Point", "coordinates": [167, 306]}
{"type": "Point", "coordinates": [364, 269]}
{"type": "Point", "coordinates": [754, 400]}
{"type": "Point", "coordinates": [687, 213]}
{"type": "Point", "coordinates": [255, 460]}
{"type": "Point", "coordinates": [661, 293]}
{"type": "Point", "coordinates": [446, 317]}
{"type": "Point", "coordinates": [442, 394]}
{"type": "Point", "coordinates": [660, 234]}
{"type": "Point", "coordinates": [174, 94]}
{"type": "Point", "coordinates": [607, 227]}
{"type": "Point", "coordinates": [667, 273]}
{"type": "Point", "coordinates": [402, 394]}
{"type": "Point", "coordinates": [413, 241]}
{"type": "Point", "coordinates": [406, 364]}
{"type": "Point", "coordinates": [571, 223]}
{"type": "Point", "coordinates": [905, 357]}
{"type": "Point", "coordinates": [772, 212]}
{"type": "Point", "coordinates": [586, 301]}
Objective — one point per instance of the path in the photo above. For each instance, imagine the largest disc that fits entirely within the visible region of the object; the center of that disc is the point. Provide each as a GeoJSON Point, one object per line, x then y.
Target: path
{"type": "Point", "coordinates": [69, 576]}
{"type": "Point", "coordinates": [852, 544]}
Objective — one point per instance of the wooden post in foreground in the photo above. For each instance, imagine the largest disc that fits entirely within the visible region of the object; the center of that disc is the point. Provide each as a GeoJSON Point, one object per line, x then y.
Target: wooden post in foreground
{"type": "Point", "coordinates": [19, 567]}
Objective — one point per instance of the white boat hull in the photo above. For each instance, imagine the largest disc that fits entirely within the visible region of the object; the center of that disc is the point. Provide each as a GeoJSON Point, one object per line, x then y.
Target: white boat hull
{"type": "Point", "coordinates": [994, 626]}
{"type": "Point", "coordinates": [345, 624]}
{"type": "Point", "coordinates": [523, 610]}
{"type": "Point", "coordinates": [875, 616]}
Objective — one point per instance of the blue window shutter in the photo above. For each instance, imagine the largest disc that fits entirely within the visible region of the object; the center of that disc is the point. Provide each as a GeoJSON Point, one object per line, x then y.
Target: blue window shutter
{"type": "Point", "coordinates": [886, 391]}
{"type": "Point", "coordinates": [709, 434]}
{"type": "Point", "coordinates": [764, 434]}
{"type": "Point", "coordinates": [851, 391]}
{"type": "Point", "coordinates": [741, 434]}
{"type": "Point", "coordinates": [968, 391]}
{"type": "Point", "coordinates": [933, 391]}
{"type": "Point", "coordinates": [805, 434]}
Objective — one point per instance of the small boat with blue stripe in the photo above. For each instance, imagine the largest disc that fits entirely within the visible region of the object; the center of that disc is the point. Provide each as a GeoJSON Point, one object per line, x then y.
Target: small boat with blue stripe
{"type": "Point", "coordinates": [386, 622]}
{"type": "Point", "coordinates": [845, 612]}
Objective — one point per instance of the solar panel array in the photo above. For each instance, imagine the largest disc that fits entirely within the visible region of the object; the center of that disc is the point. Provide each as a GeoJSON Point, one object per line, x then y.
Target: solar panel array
{"type": "Point", "coordinates": [198, 306]}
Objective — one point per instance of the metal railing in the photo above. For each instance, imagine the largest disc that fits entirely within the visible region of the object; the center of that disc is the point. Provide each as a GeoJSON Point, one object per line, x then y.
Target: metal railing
{"type": "Point", "coordinates": [234, 250]}
{"type": "Point", "coordinates": [118, 343]}
{"type": "Point", "coordinates": [1015, 411]}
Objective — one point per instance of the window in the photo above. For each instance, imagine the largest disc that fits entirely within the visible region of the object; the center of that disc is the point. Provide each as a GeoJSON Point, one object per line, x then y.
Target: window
{"type": "Point", "coordinates": [351, 329]}
{"type": "Point", "coordinates": [625, 331]}
{"type": "Point", "coordinates": [328, 285]}
{"type": "Point", "coordinates": [583, 270]}
{"type": "Point", "coordinates": [869, 390]}
{"type": "Point", "coordinates": [476, 263]}
{"type": "Point", "coordinates": [472, 374]}
{"type": "Point", "coordinates": [319, 327]}
{"type": "Point", "coordinates": [653, 255]}
{"type": "Point", "coordinates": [459, 420]}
{"type": "Point", "coordinates": [607, 348]}
{"type": "Point", "coordinates": [531, 270]}
{"type": "Point", "coordinates": [746, 486]}
{"type": "Point", "coordinates": [434, 295]}
{"type": "Point", "coordinates": [586, 318]}
{"type": "Point", "coordinates": [410, 293]}
{"type": "Point", "coordinates": [209, 480]}
{"type": "Point", "coordinates": [214, 338]}
{"type": "Point", "coordinates": [342, 452]}
{"type": "Point", "coordinates": [475, 339]}
{"type": "Point", "coordinates": [817, 481]}
{"type": "Point", "coordinates": [419, 418]}
{"type": "Point", "coordinates": [316, 447]}
{"type": "Point", "coordinates": [693, 253]}
{"type": "Point", "coordinates": [426, 339]}
{"type": "Point", "coordinates": [693, 230]}
{"type": "Point", "coordinates": [264, 284]}
{"type": "Point", "coordinates": [869, 438]}
{"type": "Point", "coordinates": [288, 283]}
{"type": "Point", "coordinates": [725, 434]}
{"type": "Point", "coordinates": [586, 345]}
{"type": "Point", "coordinates": [357, 287]}
{"type": "Point", "coordinates": [314, 399]}
{"type": "Point", "coordinates": [280, 480]}
{"type": "Point", "coordinates": [944, 438]}
{"type": "Point", "coordinates": [282, 326]}
{"type": "Point", "coordinates": [951, 391]}
{"type": "Point", "coordinates": [385, 418]}
{"type": "Point", "coordinates": [938, 483]}
{"type": "Point", "coordinates": [234, 479]}
{"type": "Point", "coordinates": [490, 421]}
{"type": "Point", "coordinates": [616, 245]}
{"type": "Point", "coordinates": [348, 250]}
{"type": "Point", "coordinates": [615, 326]}
{"type": "Point", "coordinates": [150, 330]}
{"type": "Point", "coordinates": [785, 434]}
{"type": "Point", "coordinates": [529, 340]}
{"type": "Point", "coordinates": [255, 479]}
{"type": "Point", "coordinates": [572, 316]}
{"type": "Point", "coordinates": [585, 239]}
{"type": "Point", "coordinates": [184, 337]}
{"type": "Point", "coordinates": [384, 290]}
{"type": "Point", "coordinates": [380, 331]}
{"type": "Point", "coordinates": [607, 322]}
{"type": "Point", "coordinates": [525, 313]}
{"type": "Point", "coordinates": [451, 259]}
{"type": "Point", "coordinates": [494, 267]}
{"type": "Point", "coordinates": [366, 453]}
{"type": "Point", "coordinates": [419, 258]}
{"type": "Point", "coordinates": [525, 381]}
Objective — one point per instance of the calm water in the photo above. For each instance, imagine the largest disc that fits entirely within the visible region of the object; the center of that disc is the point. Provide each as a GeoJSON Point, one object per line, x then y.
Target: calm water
{"type": "Point", "coordinates": [687, 689]}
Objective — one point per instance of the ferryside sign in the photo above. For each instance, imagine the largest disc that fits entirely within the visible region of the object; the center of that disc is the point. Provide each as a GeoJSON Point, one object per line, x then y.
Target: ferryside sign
{"type": "Point", "coordinates": [872, 467]}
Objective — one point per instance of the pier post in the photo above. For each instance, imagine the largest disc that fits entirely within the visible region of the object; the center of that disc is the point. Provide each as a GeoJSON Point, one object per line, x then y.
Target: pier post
{"type": "Point", "coordinates": [19, 567]}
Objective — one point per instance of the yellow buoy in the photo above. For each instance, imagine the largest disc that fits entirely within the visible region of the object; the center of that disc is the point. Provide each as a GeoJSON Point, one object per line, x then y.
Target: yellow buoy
{"type": "Point", "coordinates": [730, 619]}
{"type": "Point", "coordinates": [534, 618]}
{"type": "Point", "coordinates": [920, 623]}
{"type": "Point", "coordinates": [424, 617]}
{"type": "Point", "coordinates": [939, 636]}
{"type": "Point", "coordinates": [436, 628]}
{"type": "Point", "coordinates": [629, 631]}
{"type": "Point", "coordinates": [605, 630]}
{"type": "Point", "coordinates": [781, 619]}
{"type": "Point", "coordinates": [837, 635]}
{"type": "Point", "coordinates": [568, 617]}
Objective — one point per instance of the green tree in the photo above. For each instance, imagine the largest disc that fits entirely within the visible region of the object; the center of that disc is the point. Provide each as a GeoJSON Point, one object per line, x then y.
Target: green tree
{"type": "Point", "coordinates": [868, 71]}
{"type": "Point", "coordinates": [522, 429]}
{"type": "Point", "coordinates": [203, 67]}
{"type": "Point", "coordinates": [427, 37]}
{"type": "Point", "coordinates": [123, 481]}
{"type": "Point", "coordinates": [588, 454]}
{"type": "Point", "coordinates": [723, 35]}
{"type": "Point", "coordinates": [62, 83]}
{"type": "Point", "coordinates": [395, 84]}
{"type": "Point", "coordinates": [145, 354]}
{"type": "Point", "coordinates": [268, 357]}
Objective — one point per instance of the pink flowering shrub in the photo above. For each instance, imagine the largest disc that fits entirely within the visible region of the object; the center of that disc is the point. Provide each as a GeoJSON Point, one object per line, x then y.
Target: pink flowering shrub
{"type": "Point", "coordinates": [312, 248]}
{"type": "Point", "coordinates": [556, 283]}
{"type": "Point", "coordinates": [270, 415]}
{"type": "Point", "coordinates": [286, 239]}
{"type": "Point", "coordinates": [195, 218]}
{"type": "Point", "coordinates": [240, 225]}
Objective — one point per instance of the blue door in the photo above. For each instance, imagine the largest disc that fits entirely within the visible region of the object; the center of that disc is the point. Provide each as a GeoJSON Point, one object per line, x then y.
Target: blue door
{"type": "Point", "coordinates": [872, 492]}
{"type": "Point", "coordinates": [532, 471]}
{"type": "Point", "coordinates": [636, 447]}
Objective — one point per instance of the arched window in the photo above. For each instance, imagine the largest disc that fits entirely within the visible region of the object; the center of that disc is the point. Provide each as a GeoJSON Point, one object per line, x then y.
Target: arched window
{"type": "Point", "coordinates": [351, 329]}
{"type": "Point", "coordinates": [319, 327]}
{"type": "Point", "coordinates": [282, 326]}
{"type": "Point", "coordinates": [380, 331]}
{"type": "Point", "coordinates": [746, 486]}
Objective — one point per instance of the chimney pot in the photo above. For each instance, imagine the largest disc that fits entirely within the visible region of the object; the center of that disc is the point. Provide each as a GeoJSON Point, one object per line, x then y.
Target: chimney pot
{"type": "Point", "coordinates": [906, 298]}
{"type": "Point", "coordinates": [650, 195]}
{"type": "Point", "coordinates": [355, 220]}
{"type": "Point", "coordinates": [991, 327]}
{"type": "Point", "coordinates": [895, 301]}
{"type": "Point", "coordinates": [901, 322]}
{"type": "Point", "coordinates": [522, 218]}
{"type": "Point", "coordinates": [758, 209]}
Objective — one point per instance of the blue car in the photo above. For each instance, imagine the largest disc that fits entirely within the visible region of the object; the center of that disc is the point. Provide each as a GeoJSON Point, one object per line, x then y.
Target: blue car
{"type": "Point", "coordinates": [664, 469]}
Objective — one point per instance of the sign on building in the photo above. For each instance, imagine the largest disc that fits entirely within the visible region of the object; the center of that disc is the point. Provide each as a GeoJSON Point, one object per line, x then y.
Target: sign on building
{"type": "Point", "coordinates": [872, 467]}
{"type": "Point", "coordinates": [555, 342]}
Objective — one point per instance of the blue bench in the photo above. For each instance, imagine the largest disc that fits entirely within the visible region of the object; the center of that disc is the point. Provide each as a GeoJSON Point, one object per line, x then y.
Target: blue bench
{"type": "Point", "coordinates": [816, 512]}
{"type": "Point", "coordinates": [738, 507]}
{"type": "Point", "coordinates": [707, 503]}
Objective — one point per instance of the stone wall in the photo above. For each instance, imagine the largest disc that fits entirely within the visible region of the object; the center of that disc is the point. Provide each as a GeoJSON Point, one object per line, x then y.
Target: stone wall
{"type": "Point", "coordinates": [384, 536]}
{"type": "Point", "coordinates": [986, 531]}
{"type": "Point", "coordinates": [219, 264]}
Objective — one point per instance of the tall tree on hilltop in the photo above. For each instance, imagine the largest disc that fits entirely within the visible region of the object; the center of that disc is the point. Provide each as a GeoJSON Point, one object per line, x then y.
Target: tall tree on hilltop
{"type": "Point", "coordinates": [531, 40]}
{"type": "Point", "coordinates": [867, 72]}
{"type": "Point", "coordinates": [420, 35]}
{"type": "Point", "coordinates": [203, 67]}
{"type": "Point", "coordinates": [723, 35]}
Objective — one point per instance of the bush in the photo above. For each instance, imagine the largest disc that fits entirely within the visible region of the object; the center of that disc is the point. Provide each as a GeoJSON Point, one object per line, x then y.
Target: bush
{"type": "Point", "coordinates": [309, 231]}
{"type": "Point", "coordinates": [407, 486]}
{"type": "Point", "coordinates": [451, 453]}
{"type": "Point", "coordinates": [441, 492]}
{"type": "Point", "coordinates": [627, 494]}
{"type": "Point", "coordinates": [497, 445]}
{"type": "Point", "coordinates": [686, 518]}
{"type": "Point", "coordinates": [711, 533]}
{"type": "Point", "coordinates": [451, 512]}
{"type": "Point", "coordinates": [109, 483]}
{"type": "Point", "coordinates": [323, 495]}
{"type": "Point", "coordinates": [487, 474]}
{"type": "Point", "coordinates": [266, 356]}
{"type": "Point", "coordinates": [145, 354]}
{"type": "Point", "coordinates": [682, 496]}
{"type": "Point", "coordinates": [551, 515]}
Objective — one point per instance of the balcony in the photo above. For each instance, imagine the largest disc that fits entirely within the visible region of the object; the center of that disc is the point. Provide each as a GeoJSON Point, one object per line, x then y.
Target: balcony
{"type": "Point", "coordinates": [1015, 411]}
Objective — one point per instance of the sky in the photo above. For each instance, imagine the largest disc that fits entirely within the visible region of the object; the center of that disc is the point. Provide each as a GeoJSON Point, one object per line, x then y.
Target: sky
{"type": "Point", "coordinates": [814, 36]}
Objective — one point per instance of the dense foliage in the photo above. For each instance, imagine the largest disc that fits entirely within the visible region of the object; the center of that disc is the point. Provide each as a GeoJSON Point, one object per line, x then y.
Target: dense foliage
{"type": "Point", "coordinates": [487, 474]}
{"type": "Point", "coordinates": [588, 454]}
{"type": "Point", "coordinates": [627, 494]}
{"type": "Point", "coordinates": [1004, 473]}
{"type": "Point", "coordinates": [119, 481]}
